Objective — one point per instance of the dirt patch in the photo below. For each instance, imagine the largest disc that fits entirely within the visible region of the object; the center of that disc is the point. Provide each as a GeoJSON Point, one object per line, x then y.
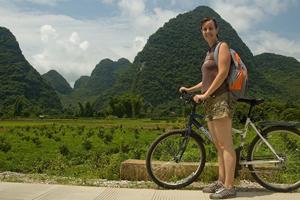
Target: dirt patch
{"type": "Point", "coordinates": [2, 129]}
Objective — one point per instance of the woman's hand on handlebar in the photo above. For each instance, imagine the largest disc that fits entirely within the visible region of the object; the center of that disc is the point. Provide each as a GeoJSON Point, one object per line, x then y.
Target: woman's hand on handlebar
{"type": "Point", "coordinates": [200, 97]}
{"type": "Point", "coordinates": [183, 90]}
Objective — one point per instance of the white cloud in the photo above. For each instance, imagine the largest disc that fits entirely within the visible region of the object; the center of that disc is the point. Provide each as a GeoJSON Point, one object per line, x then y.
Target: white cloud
{"type": "Point", "coordinates": [143, 22]}
{"type": "Point", "coordinates": [244, 14]}
{"type": "Point", "coordinates": [74, 38]}
{"type": "Point", "coordinates": [182, 5]}
{"type": "Point", "coordinates": [274, 7]}
{"type": "Point", "coordinates": [265, 41]}
{"type": "Point", "coordinates": [47, 33]}
{"type": "Point", "coordinates": [164, 15]}
{"type": "Point", "coordinates": [66, 54]}
{"type": "Point", "coordinates": [108, 1]}
{"type": "Point", "coordinates": [43, 2]}
{"type": "Point", "coordinates": [139, 43]}
{"type": "Point", "coordinates": [50, 46]}
{"type": "Point", "coordinates": [240, 16]}
{"type": "Point", "coordinates": [132, 7]}
{"type": "Point", "coordinates": [84, 45]}
{"type": "Point", "coordinates": [73, 47]}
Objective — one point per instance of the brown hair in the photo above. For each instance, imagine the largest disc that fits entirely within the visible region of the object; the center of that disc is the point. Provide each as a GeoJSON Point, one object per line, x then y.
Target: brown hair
{"type": "Point", "coordinates": [206, 19]}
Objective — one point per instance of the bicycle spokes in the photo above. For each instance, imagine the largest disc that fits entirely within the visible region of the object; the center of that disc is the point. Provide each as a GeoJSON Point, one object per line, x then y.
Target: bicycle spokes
{"type": "Point", "coordinates": [279, 173]}
{"type": "Point", "coordinates": [176, 159]}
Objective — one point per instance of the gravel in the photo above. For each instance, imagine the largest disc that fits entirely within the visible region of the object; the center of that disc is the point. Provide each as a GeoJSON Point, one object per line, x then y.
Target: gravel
{"type": "Point", "coordinates": [241, 185]}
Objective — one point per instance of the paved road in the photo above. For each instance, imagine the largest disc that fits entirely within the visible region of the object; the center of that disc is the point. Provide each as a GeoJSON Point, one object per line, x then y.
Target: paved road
{"type": "Point", "coordinates": [26, 191]}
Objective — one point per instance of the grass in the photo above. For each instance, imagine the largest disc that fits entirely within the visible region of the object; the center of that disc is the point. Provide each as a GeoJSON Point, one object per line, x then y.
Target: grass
{"type": "Point", "coordinates": [80, 148]}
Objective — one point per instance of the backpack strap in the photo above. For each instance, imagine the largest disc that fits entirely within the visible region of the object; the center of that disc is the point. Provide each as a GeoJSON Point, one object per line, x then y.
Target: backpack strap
{"type": "Point", "coordinates": [216, 52]}
{"type": "Point", "coordinates": [207, 53]}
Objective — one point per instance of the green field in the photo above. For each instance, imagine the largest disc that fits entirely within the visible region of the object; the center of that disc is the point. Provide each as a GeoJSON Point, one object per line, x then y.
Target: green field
{"type": "Point", "coordinates": [77, 148]}
{"type": "Point", "coordinates": [82, 148]}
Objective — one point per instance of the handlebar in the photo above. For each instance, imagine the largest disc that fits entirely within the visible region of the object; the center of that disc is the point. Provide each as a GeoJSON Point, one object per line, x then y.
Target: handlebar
{"type": "Point", "coordinates": [187, 98]}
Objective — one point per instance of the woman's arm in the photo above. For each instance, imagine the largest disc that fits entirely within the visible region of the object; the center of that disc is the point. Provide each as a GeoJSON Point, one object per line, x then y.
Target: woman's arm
{"type": "Point", "coordinates": [194, 88]}
{"type": "Point", "coordinates": [223, 69]}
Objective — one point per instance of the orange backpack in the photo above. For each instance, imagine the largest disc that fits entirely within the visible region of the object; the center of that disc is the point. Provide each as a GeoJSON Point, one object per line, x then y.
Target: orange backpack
{"type": "Point", "coordinates": [238, 75]}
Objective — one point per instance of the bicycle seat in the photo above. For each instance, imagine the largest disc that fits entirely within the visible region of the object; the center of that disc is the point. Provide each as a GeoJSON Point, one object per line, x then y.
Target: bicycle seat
{"type": "Point", "coordinates": [252, 102]}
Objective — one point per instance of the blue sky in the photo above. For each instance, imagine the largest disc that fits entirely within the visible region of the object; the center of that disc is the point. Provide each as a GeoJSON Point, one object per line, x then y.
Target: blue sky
{"type": "Point", "coordinates": [72, 36]}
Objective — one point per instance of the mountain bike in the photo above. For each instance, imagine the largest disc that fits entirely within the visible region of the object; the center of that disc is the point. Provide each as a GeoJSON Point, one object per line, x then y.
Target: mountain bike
{"type": "Point", "coordinates": [177, 158]}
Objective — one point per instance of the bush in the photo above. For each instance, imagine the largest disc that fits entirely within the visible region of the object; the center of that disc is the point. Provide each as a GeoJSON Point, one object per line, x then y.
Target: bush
{"type": "Point", "coordinates": [64, 150]}
{"type": "Point", "coordinates": [36, 141]}
{"type": "Point", "coordinates": [87, 145]}
{"type": "Point", "coordinates": [4, 145]}
{"type": "Point", "coordinates": [101, 132]}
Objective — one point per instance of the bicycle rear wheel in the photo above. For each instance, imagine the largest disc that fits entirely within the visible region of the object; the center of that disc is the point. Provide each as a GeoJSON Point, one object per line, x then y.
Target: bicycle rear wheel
{"type": "Point", "coordinates": [163, 163]}
{"type": "Point", "coordinates": [277, 176]}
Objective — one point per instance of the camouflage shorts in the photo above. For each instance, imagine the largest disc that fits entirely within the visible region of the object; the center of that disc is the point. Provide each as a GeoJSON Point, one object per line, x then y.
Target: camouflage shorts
{"type": "Point", "coordinates": [220, 106]}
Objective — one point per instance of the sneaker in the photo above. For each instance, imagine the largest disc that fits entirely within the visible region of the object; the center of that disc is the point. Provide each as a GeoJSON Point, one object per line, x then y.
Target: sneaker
{"type": "Point", "coordinates": [212, 188]}
{"type": "Point", "coordinates": [223, 193]}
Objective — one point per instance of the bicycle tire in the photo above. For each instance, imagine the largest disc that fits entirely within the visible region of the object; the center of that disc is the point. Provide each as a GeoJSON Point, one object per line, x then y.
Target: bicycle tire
{"type": "Point", "coordinates": [156, 164]}
{"type": "Point", "coordinates": [284, 140]}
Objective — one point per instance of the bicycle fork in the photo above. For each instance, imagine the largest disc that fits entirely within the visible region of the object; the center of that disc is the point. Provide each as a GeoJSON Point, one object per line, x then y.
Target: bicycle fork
{"type": "Point", "coordinates": [182, 148]}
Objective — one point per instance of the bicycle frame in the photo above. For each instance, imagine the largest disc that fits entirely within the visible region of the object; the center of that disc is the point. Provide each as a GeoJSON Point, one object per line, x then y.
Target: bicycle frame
{"type": "Point", "coordinates": [193, 121]}
{"type": "Point", "coordinates": [243, 136]}
{"type": "Point", "coordinates": [187, 148]}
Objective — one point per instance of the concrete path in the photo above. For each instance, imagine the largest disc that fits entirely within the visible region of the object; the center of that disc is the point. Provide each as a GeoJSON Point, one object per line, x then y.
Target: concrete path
{"type": "Point", "coordinates": [26, 191]}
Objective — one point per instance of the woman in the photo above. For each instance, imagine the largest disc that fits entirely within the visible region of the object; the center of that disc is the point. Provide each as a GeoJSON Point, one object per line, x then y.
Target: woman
{"type": "Point", "coordinates": [218, 109]}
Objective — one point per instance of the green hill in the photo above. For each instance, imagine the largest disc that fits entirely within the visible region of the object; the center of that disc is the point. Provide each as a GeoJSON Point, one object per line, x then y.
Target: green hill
{"type": "Point", "coordinates": [281, 74]}
{"type": "Point", "coordinates": [105, 74]}
{"type": "Point", "coordinates": [173, 57]}
{"type": "Point", "coordinates": [81, 82]}
{"type": "Point", "coordinates": [174, 54]}
{"type": "Point", "coordinates": [58, 82]}
{"type": "Point", "coordinates": [102, 83]}
{"type": "Point", "coordinates": [22, 88]}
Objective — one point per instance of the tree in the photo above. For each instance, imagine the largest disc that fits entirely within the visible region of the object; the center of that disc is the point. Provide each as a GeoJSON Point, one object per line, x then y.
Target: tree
{"type": "Point", "coordinates": [126, 105]}
{"type": "Point", "coordinates": [18, 106]}
{"type": "Point", "coordinates": [81, 110]}
{"type": "Point", "coordinates": [87, 110]}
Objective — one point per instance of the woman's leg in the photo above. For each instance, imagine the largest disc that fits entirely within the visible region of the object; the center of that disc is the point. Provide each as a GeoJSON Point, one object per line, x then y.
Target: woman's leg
{"type": "Point", "coordinates": [219, 151]}
{"type": "Point", "coordinates": [223, 133]}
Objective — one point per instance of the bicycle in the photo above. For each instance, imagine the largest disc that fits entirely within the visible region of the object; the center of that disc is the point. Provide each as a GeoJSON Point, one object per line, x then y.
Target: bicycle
{"type": "Point", "coordinates": [177, 158]}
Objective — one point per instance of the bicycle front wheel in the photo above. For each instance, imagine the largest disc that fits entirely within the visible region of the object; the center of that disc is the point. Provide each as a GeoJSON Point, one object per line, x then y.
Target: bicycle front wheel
{"type": "Point", "coordinates": [175, 160]}
{"type": "Point", "coordinates": [283, 176]}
